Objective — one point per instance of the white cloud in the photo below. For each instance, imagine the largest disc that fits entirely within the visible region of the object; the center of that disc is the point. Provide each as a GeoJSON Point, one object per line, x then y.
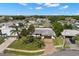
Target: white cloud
{"type": "Point", "coordinates": [39, 3]}
{"type": "Point", "coordinates": [51, 4]}
{"type": "Point", "coordinates": [23, 4]}
{"type": "Point", "coordinates": [64, 7]}
{"type": "Point", "coordinates": [18, 14]}
{"type": "Point", "coordinates": [38, 8]}
{"type": "Point", "coordinates": [76, 13]}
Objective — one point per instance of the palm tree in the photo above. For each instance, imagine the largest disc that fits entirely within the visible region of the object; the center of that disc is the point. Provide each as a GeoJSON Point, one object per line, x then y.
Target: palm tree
{"type": "Point", "coordinates": [16, 30]}
{"type": "Point", "coordinates": [1, 33]}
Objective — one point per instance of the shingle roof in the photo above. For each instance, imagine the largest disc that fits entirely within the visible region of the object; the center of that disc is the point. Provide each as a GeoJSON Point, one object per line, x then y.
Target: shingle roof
{"type": "Point", "coordinates": [70, 32]}
{"type": "Point", "coordinates": [44, 31]}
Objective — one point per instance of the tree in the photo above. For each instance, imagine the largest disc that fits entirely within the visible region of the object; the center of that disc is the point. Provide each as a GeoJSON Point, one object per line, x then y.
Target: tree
{"type": "Point", "coordinates": [19, 17]}
{"type": "Point", "coordinates": [1, 33]}
{"type": "Point", "coordinates": [16, 30]}
{"type": "Point", "coordinates": [52, 19]}
{"type": "Point", "coordinates": [58, 28]}
{"type": "Point", "coordinates": [31, 29]}
{"type": "Point", "coordinates": [77, 37]}
{"type": "Point", "coordinates": [29, 39]}
{"type": "Point", "coordinates": [24, 32]}
{"type": "Point", "coordinates": [68, 26]}
{"type": "Point", "coordinates": [39, 42]}
{"type": "Point", "coordinates": [21, 24]}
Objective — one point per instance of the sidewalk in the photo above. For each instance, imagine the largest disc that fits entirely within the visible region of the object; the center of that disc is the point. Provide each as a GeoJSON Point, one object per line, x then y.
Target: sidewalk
{"type": "Point", "coordinates": [19, 50]}
{"type": "Point", "coordinates": [5, 44]}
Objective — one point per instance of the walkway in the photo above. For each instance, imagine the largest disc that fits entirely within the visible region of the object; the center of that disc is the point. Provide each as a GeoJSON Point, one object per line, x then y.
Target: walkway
{"type": "Point", "coordinates": [5, 44]}
{"type": "Point", "coordinates": [19, 50]}
{"type": "Point", "coordinates": [49, 47]}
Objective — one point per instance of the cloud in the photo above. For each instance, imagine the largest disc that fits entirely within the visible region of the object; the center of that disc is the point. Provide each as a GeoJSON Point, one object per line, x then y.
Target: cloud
{"type": "Point", "coordinates": [64, 7]}
{"type": "Point", "coordinates": [51, 4]}
{"type": "Point", "coordinates": [18, 14]}
{"type": "Point", "coordinates": [76, 13]}
{"type": "Point", "coordinates": [39, 3]}
{"type": "Point", "coordinates": [37, 8]}
{"type": "Point", "coordinates": [23, 4]}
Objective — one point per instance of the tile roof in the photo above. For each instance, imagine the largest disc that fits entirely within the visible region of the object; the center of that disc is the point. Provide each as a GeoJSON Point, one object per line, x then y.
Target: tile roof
{"type": "Point", "coordinates": [70, 32]}
{"type": "Point", "coordinates": [44, 31]}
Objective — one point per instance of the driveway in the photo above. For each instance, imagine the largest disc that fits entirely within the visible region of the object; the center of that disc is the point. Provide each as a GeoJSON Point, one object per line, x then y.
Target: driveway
{"type": "Point", "coordinates": [5, 44]}
{"type": "Point", "coordinates": [49, 47]}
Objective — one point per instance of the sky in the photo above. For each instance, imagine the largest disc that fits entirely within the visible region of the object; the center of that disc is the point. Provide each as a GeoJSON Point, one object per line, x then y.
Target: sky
{"type": "Point", "coordinates": [39, 8]}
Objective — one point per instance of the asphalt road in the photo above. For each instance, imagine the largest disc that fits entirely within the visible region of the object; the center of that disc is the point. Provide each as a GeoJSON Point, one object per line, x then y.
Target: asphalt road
{"type": "Point", "coordinates": [7, 54]}
{"type": "Point", "coordinates": [66, 53]}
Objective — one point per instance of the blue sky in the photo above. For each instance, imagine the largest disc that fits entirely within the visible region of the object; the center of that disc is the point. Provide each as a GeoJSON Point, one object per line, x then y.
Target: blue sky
{"type": "Point", "coordinates": [39, 8]}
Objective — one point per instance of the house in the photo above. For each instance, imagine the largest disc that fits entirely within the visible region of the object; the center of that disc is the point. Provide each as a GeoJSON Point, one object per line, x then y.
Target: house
{"type": "Point", "coordinates": [70, 34]}
{"type": "Point", "coordinates": [6, 29]}
{"type": "Point", "coordinates": [76, 24]}
{"type": "Point", "coordinates": [44, 32]}
{"type": "Point", "coordinates": [43, 22]}
{"type": "Point", "coordinates": [70, 20]}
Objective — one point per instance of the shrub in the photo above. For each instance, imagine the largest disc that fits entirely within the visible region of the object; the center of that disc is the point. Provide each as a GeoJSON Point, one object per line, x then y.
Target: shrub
{"type": "Point", "coordinates": [77, 37]}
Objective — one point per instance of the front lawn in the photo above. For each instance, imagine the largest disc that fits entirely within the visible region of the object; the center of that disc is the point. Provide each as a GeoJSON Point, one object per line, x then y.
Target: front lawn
{"type": "Point", "coordinates": [1, 40]}
{"type": "Point", "coordinates": [19, 44]}
{"type": "Point", "coordinates": [23, 53]}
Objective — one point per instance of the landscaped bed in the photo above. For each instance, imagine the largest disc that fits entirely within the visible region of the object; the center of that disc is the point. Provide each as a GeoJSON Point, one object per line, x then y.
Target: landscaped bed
{"type": "Point", "coordinates": [23, 53]}
{"type": "Point", "coordinates": [1, 40]}
{"type": "Point", "coordinates": [58, 41]}
{"type": "Point", "coordinates": [19, 44]}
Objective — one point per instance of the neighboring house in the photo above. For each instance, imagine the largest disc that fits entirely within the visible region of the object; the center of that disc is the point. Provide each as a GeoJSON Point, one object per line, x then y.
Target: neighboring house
{"type": "Point", "coordinates": [2, 17]}
{"type": "Point", "coordinates": [44, 32]}
{"type": "Point", "coordinates": [6, 29]}
{"type": "Point", "coordinates": [76, 25]}
{"type": "Point", "coordinates": [70, 20]}
{"type": "Point", "coordinates": [70, 34]}
{"type": "Point", "coordinates": [43, 22]}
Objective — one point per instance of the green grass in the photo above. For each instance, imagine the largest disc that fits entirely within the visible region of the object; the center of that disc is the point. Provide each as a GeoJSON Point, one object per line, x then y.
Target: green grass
{"type": "Point", "coordinates": [77, 42]}
{"type": "Point", "coordinates": [58, 41]}
{"type": "Point", "coordinates": [1, 40]}
{"type": "Point", "coordinates": [19, 44]}
{"type": "Point", "coordinates": [23, 53]}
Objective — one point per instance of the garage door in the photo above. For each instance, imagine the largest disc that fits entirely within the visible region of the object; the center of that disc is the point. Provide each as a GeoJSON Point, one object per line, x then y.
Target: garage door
{"type": "Point", "coordinates": [47, 36]}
